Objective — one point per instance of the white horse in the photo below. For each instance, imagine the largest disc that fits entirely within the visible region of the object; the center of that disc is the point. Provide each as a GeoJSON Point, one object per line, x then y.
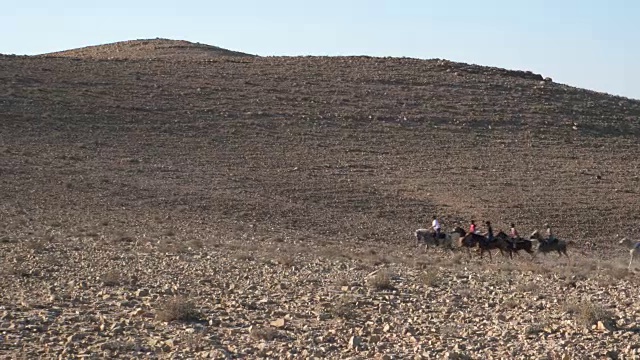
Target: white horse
{"type": "Point", "coordinates": [447, 240]}
{"type": "Point", "coordinates": [633, 246]}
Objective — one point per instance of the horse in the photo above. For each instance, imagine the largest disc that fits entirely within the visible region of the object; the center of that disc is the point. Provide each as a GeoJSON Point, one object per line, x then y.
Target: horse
{"type": "Point", "coordinates": [496, 243]}
{"type": "Point", "coordinates": [634, 248]}
{"type": "Point", "coordinates": [546, 246]}
{"type": "Point", "coordinates": [428, 237]}
{"type": "Point", "coordinates": [484, 245]}
{"type": "Point", "coordinates": [470, 240]}
{"type": "Point", "coordinates": [515, 245]}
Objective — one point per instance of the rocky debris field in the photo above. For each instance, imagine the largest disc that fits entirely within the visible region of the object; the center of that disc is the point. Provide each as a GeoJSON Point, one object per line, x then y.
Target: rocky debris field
{"type": "Point", "coordinates": [164, 203]}
{"type": "Point", "coordinates": [93, 297]}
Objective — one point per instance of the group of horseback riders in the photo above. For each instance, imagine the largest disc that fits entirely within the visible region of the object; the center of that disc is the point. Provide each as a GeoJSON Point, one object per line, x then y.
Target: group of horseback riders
{"type": "Point", "coordinates": [513, 233]}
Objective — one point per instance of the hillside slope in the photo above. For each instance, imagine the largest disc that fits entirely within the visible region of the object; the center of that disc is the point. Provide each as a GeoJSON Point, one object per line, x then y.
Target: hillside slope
{"type": "Point", "coordinates": [342, 148]}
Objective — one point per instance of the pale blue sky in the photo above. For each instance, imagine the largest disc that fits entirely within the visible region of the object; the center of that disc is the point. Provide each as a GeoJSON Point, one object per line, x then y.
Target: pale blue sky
{"type": "Point", "coordinates": [590, 44]}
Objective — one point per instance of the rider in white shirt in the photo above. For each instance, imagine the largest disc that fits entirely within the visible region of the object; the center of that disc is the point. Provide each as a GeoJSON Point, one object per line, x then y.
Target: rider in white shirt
{"type": "Point", "coordinates": [435, 224]}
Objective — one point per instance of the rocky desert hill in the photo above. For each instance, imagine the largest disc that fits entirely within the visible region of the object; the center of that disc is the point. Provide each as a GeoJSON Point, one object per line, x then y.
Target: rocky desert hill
{"type": "Point", "coordinates": [160, 202]}
{"type": "Point", "coordinates": [148, 49]}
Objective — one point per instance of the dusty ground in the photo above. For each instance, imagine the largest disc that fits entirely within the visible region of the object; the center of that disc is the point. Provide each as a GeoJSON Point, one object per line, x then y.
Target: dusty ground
{"type": "Point", "coordinates": [268, 189]}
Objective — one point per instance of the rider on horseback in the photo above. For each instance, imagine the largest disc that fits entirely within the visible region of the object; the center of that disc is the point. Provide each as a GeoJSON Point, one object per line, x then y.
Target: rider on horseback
{"type": "Point", "coordinates": [435, 224]}
{"type": "Point", "coordinates": [472, 227]}
{"type": "Point", "coordinates": [489, 234]}
{"type": "Point", "coordinates": [550, 238]}
{"type": "Point", "coordinates": [514, 234]}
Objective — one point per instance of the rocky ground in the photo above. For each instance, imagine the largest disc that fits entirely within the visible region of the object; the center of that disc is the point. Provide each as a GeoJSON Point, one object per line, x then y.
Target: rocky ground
{"type": "Point", "coordinates": [284, 298]}
{"type": "Point", "coordinates": [164, 206]}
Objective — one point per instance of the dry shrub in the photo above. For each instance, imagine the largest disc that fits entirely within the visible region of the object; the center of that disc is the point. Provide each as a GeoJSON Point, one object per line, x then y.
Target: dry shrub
{"type": "Point", "coordinates": [195, 341]}
{"type": "Point", "coordinates": [535, 268]}
{"type": "Point", "coordinates": [454, 355]}
{"type": "Point", "coordinates": [430, 278]}
{"type": "Point", "coordinates": [342, 281]}
{"type": "Point", "coordinates": [245, 257]}
{"type": "Point", "coordinates": [178, 308]}
{"type": "Point", "coordinates": [334, 253]}
{"type": "Point", "coordinates": [124, 238]}
{"type": "Point", "coordinates": [16, 270]}
{"type": "Point", "coordinates": [510, 303]}
{"type": "Point", "coordinates": [286, 260]}
{"type": "Point", "coordinates": [618, 273]}
{"type": "Point", "coordinates": [37, 246]}
{"type": "Point", "coordinates": [591, 314]}
{"type": "Point", "coordinates": [464, 292]}
{"type": "Point", "coordinates": [376, 260]}
{"type": "Point", "coordinates": [166, 247]}
{"type": "Point", "coordinates": [537, 328]}
{"type": "Point", "coordinates": [381, 281]}
{"type": "Point", "coordinates": [263, 333]}
{"type": "Point", "coordinates": [587, 313]}
{"type": "Point", "coordinates": [528, 287]}
{"type": "Point", "coordinates": [121, 346]}
{"type": "Point", "coordinates": [344, 308]}
{"type": "Point", "coordinates": [196, 244]}
{"type": "Point", "coordinates": [508, 267]}
{"type": "Point", "coordinates": [6, 240]}
{"type": "Point", "coordinates": [450, 330]}
{"type": "Point", "coordinates": [112, 278]}
{"type": "Point", "coordinates": [457, 259]}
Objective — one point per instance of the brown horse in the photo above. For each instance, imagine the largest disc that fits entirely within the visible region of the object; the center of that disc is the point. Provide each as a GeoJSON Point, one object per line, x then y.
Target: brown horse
{"type": "Point", "coordinates": [515, 245]}
{"type": "Point", "coordinates": [471, 240]}
{"type": "Point", "coordinates": [496, 243]}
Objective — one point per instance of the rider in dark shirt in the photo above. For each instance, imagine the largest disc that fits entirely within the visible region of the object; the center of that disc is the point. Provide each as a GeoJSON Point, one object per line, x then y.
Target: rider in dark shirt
{"type": "Point", "coordinates": [489, 234]}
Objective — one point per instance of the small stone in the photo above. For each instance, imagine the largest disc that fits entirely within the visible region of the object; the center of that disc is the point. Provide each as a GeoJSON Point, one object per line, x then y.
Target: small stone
{"type": "Point", "coordinates": [280, 323]}
{"type": "Point", "coordinates": [142, 292]}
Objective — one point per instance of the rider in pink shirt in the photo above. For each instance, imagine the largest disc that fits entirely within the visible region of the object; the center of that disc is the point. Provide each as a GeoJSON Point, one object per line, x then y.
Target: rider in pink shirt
{"type": "Point", "coordinates": [514, 232]}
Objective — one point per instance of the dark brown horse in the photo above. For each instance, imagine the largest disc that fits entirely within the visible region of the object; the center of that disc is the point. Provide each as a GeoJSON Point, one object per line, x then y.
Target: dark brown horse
{"type": "Point", "coordinates": [485, 245]}
{"type": "Point", "coordinates": [471, 240]}
{"type": "Point", "coordinates": [545, 246]}
{"type": "Point", "coordinates": [468, 241]}
{"type": "Point", "coordinates": [515, 245]}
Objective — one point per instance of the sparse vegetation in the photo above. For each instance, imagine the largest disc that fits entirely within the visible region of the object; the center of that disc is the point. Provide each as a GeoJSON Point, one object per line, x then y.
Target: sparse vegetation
{"type": "Point", "coordinates": [381, 280]}
{"type": "Point", "coordinates": [528, 287]}
{"type": "Point", "coordinates": [286, 260]}
{"type": "Point", "coordinates": [590, 313]}
{"type": "Point", "coordinates": [178, 308]}
{"type": "Point", "coordinates": [430, 278]}
{"type": "Point", "coordinates": [263, 333]}
{"type": "Point", "coordinates": [112, 278]}
{"type": "Point", "coordinates": [344, 308]}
